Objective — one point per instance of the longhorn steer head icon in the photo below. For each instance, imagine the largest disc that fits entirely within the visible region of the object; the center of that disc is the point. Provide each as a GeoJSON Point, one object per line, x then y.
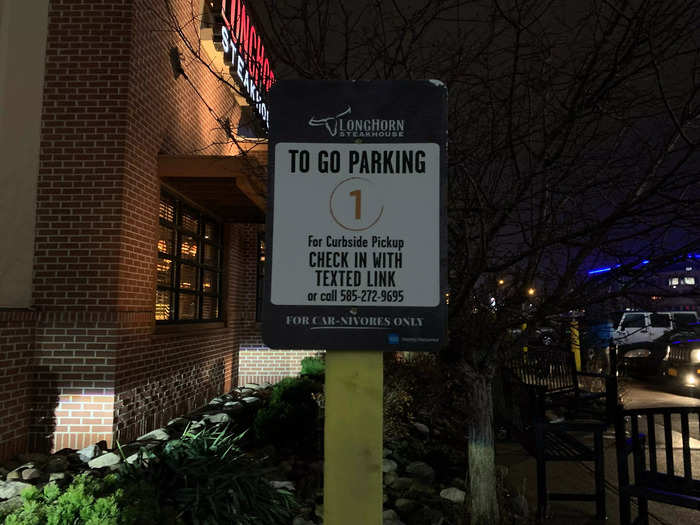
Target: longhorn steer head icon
{"type": "Point", "coordinates": [331, 123]}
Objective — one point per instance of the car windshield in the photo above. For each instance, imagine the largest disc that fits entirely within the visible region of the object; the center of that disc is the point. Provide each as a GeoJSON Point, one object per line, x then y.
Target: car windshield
{"type": "Point", "coordinates": [686, 333]}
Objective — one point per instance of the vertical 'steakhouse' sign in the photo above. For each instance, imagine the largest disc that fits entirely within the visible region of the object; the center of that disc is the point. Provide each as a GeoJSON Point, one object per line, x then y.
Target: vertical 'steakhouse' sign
{"type": "Point", "coordinates": [244, 52]}
{"type": "Point", "coordinates": [356, 215]}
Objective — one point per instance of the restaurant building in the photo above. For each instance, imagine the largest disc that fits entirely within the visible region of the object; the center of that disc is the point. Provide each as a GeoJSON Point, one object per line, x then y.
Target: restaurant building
{"type": "Point", "coordinates": [132, 208]}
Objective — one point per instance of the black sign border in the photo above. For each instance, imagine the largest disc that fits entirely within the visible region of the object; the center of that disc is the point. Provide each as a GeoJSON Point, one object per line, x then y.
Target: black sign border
{"type": "Point", "coordinates": [433, 334]}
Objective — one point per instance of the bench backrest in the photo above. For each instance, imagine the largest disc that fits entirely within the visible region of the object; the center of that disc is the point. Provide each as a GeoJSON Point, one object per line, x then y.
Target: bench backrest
{"type": "Point", "coordinates": [551, 368]}
{"type": "Point", "coordinates": [666, 431]}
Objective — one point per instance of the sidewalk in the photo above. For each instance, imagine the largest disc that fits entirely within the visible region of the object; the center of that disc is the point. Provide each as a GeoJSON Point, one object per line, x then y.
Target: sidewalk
{"type": "Point", "coordinates": [578, 477]}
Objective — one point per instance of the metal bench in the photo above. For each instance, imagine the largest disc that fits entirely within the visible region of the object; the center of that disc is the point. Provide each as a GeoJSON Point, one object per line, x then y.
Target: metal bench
{"type": "Point", "coordinates": [544, 379]}
{"type": "Point", "coordinates": [668, 479]}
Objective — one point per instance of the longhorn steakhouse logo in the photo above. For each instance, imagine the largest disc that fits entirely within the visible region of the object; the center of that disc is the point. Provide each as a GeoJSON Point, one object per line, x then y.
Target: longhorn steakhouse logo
{"type": "Point", "coordinates": [339, 126]}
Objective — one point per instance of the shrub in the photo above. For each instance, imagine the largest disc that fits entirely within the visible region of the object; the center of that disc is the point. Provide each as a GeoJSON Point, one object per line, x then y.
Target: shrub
{"type": "Point", "coordinates": [291, 417]}
{"type": "Point", "coordinates": [209, 480]}
{"type": "Point", "coordinates": [313, 366]}
{"type": "Point", "coordinates": [88, 501]}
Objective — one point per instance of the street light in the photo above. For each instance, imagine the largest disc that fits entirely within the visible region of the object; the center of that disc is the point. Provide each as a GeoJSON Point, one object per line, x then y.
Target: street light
{"type": "Point", "coordinates": [531, 291]}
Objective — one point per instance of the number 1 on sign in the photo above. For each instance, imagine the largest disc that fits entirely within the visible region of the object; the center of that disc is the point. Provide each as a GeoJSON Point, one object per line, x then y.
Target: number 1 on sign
{"type": "Point", "coordinates": [358, 203]}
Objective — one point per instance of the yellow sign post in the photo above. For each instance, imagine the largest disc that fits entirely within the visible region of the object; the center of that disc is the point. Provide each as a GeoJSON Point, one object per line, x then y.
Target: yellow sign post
{"type": "Point", "coordinates": [353, 438]}
{"type": "Point", "coordinates": [576, 343]}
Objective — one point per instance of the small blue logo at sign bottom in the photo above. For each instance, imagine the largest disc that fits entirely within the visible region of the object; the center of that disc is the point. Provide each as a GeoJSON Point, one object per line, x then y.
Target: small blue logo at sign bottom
{"type": "Point", "coordinates": [393, 339]}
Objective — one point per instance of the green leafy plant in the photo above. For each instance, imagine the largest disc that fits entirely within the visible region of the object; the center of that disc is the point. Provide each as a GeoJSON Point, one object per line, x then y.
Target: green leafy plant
{"type": "Point", "coordinates": [291, 417]}
{"type": "Point", "coordinates": [87, 501]}
{"type": "Point", "coordinates": [208, 480]}
{"type": "Point", "coordinates": [313, 366]}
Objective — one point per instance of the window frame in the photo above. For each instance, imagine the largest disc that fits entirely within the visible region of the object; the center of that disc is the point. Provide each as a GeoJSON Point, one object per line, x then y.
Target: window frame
{"type": "Point", "coordinates": [179, 230]}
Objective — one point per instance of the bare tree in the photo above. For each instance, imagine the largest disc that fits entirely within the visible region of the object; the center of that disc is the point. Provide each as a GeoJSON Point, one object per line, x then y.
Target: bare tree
{"type": "Point", "coordinates": [573, 142]}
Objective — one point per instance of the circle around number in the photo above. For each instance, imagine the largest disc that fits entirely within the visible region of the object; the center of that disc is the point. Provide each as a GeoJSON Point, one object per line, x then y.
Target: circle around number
{"type": "Point", "coordinates": [330, 207]}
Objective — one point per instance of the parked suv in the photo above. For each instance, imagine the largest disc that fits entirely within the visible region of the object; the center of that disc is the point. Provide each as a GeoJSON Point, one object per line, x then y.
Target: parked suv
{"type": "Point", "coordinates": [642, 339]}
{"type": "Point", "coordinates": [642, 327]}
{"type": "Point", "coordinates": [682, 361]}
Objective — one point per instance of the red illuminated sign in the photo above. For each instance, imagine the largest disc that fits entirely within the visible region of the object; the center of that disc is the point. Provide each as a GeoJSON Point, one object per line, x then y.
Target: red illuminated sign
{"type": "Point", "coordinates": [245, 53]}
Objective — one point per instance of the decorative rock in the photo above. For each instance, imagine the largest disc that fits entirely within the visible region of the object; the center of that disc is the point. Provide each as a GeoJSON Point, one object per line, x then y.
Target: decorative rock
{"type": "Point", "coordinates": [389, 465]}
{"type": "Point", "coordinates": [10, 505]}
{"type": "Point", "coordinates": [178, 422]}
{"type": "Point", "coordinates": [386, 452]}
{"type": "Point", "coordinates": [88, 453]}
{"type": "Point", "coordinates": [58, 476]}
{"type": "Point", "coordinates": [31, 473]}
{"type": "Point", "coordinates": [216, 401]}
{"type": "Point", "coordinates": [390, 514]}
{"type": "Point", "coordinates": [253, 386]}
{"type": "Point", "coordinates": [10, 489]}
{"type": "Point", "coordinates": [421, 470]}
{"type": "Point", "coordinates": [13, 475]}
{"type": "Point", "coordinates": [299, 520]}
{"type": "Point", "coordinates": [105, 460]}
{"type": "Point", "coordinates": [57, 464]}
{"type": "Point", "coordinates": [422, 429]}
{"type": "Point", "coordinates": [390, 477]}
{"type": "Point", "coordinates": [453, 494]}
{"type": "Point", "coordinates": [421, 490]}
{"type": "Point", "coordinates": [247, 391]}
{"type": "Point", "coordinates": [216, 418]}
{"type": "Point", "coordinates": [405, 506]}
{"type": "Point", "coordinates": [233, 406]}
{"type": "Point", "coordinates": [401, 484]}
{"type": "Point", "coordinates": [287, 485]}
{"type": "Point", "coordinates": [251, 400]}
{"type": "Point", "coordinates": [159, 434]}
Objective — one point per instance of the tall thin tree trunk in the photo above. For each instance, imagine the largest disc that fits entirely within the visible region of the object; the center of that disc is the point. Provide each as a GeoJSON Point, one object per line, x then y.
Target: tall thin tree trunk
{"type": "Point", "coordinates": [482, 464]}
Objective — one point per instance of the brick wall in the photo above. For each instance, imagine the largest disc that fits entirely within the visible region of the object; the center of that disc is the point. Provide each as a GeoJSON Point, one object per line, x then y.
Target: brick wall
{"type": "Point", "coordinates": [89, 363]}
{"type": "Point", "coordinates": [16, 341]}
{"type": "Point", "coordinates": [258, 364]}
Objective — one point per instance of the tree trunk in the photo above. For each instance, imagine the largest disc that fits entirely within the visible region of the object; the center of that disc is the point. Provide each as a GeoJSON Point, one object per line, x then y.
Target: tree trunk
{"type": "Point", "coordinates": [482, 464]}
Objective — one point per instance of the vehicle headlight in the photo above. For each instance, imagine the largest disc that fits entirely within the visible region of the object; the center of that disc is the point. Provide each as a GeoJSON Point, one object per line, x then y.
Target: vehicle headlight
{"type": "Point", "coordinates": [668, 352]}
{"type": "Point", "coordinates": [695, 355]}
{"type": "Point", "coordinates": [638, 353]}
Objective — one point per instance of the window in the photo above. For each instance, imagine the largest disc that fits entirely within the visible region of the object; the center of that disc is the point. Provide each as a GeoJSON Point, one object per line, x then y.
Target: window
{"type": "Point", "coordinates": [660, 320]}
{"type": "Point", "coordinates": [689, 280]}
{"type": "Point", "coordinates": [189, 264]}
{"type": "Point", "coordinates": [673, 281]}
{"type": "Point", "coordinates": [260, 289]}
{"type": "Point", "coordinates": [684, 319]}
{"type": "Point", "coordinates": [633, 321]}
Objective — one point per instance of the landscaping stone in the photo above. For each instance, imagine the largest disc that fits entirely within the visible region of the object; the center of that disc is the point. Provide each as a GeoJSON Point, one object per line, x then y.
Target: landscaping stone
{"type": "Point", "coordinates": [10, 489]}
{"type": "Point", "coordinates": [159, 434]}
{"type": "Point", "coordinates": [59, 477]}
{"type": "Point", "coordinates": [246, 391]}
{"type": "Point", "coordinates": [14, 475]}
{"type": "Point", "coordinates": [89, 453]}
{"type": "Point", "coordinates": [251, 400]}
{"type": "Point", "coordinates": [422, 470]}
{"type": "Point", "coordinates": [287, 485]}
{"type": "Point", "coordinates": [216, 401]}
{"type": "Point", "coordinates": [389, 478]}
{"type": "Point", "coordinates": [401, 484]}
{"type": "Point", "coordinates": [389, 465]}
{"type": "Point", "coordinates": [233, 406]}
{"type": "Point", "coordinates": [422, 429]}
{"type": "Point", "coordinates": [10, 505]}
{"type": "Point", "coordinates": [386, 452]}
{"type": "Point", "coordinates": [29, 474]}
{"type": "Point", "coordinates": [105, 460]}
{"type": "Point", "coordinates": [216, 418]}
{"type": "Point", "coordinates": [453, 494]}
{"type": "Point", "coordinates": [390, 514]}
{"type": "Point", "coordinates": [421, 490]}
{"type": "Point", "coordinates": [405, 506]}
